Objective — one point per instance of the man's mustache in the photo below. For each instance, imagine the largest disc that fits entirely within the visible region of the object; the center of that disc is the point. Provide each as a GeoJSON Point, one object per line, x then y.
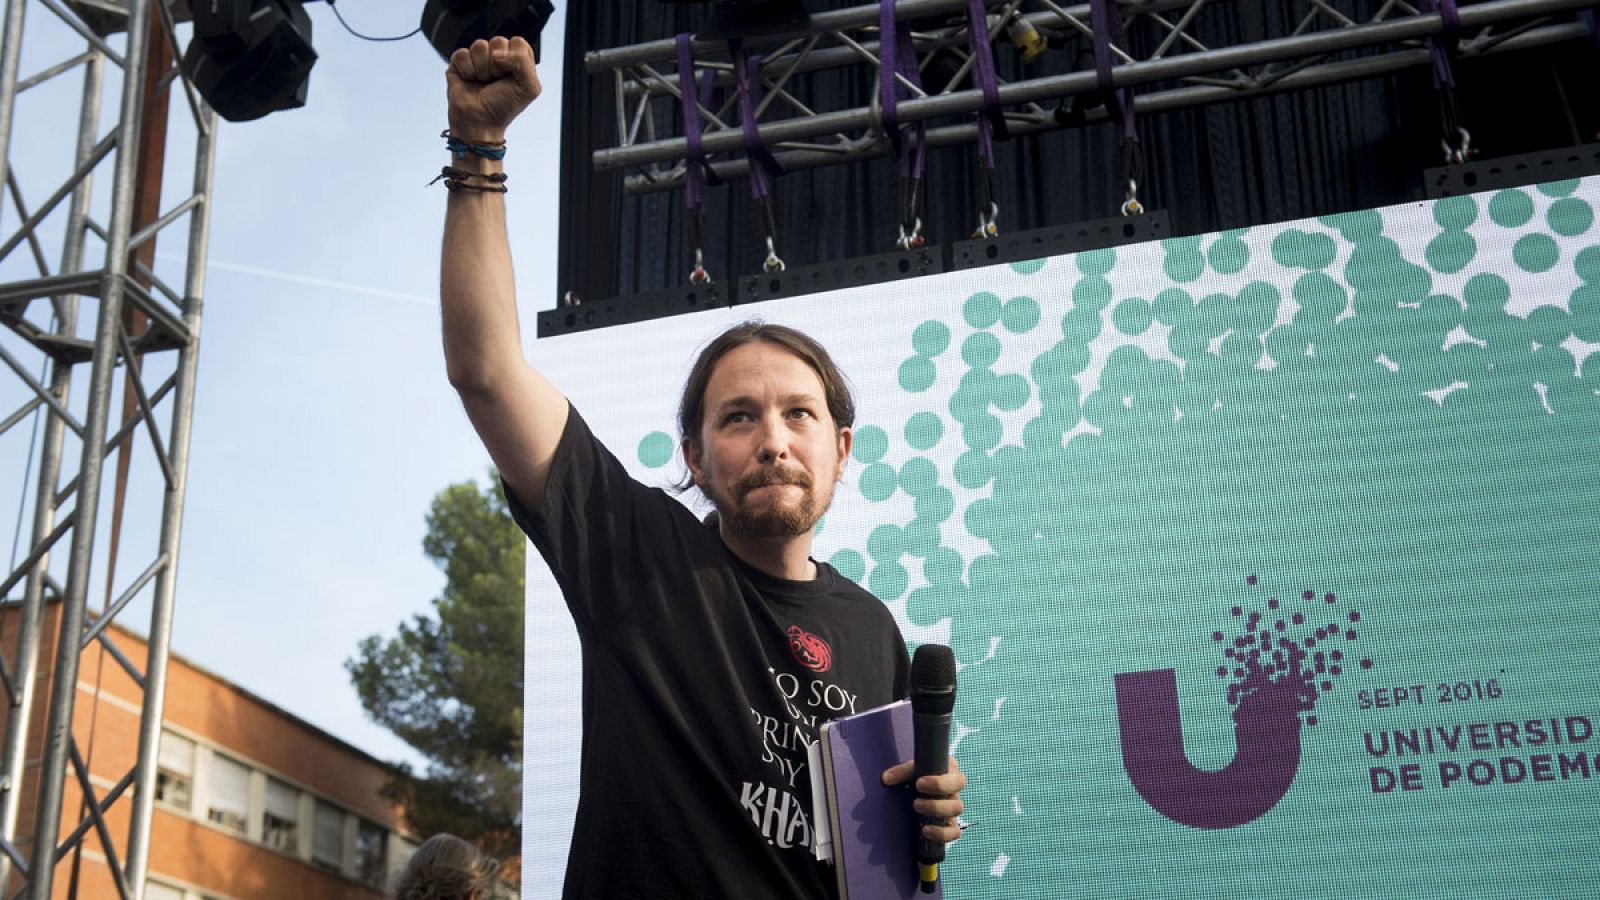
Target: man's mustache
{"type": "Point", "coordinates": [770, 476]}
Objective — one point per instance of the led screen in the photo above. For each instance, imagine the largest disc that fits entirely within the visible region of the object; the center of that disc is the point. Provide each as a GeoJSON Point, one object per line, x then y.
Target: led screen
{"type": "Point", "coordinates": [1269, 556]}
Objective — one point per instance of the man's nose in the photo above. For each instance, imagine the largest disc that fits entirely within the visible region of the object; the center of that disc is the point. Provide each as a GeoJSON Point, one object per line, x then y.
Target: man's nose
{"type": "Point", "coordinates": [774, 439]}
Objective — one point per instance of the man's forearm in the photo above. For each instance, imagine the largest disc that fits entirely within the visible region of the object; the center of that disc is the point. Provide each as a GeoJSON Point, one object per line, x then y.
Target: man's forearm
{"type": "Point", "coordinates": [517, 412]}
{"type": "Point", "coordinates": [482, 338]}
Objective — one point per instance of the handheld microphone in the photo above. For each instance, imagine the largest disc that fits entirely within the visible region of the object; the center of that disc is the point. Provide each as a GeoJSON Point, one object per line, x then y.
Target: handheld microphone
{"type": "Point", "coordinates": [933, 700]}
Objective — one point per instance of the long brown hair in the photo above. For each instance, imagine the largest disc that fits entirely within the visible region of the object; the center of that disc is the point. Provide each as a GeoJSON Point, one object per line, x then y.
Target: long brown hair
{"type": "Point", "coordinates": [692, 405]}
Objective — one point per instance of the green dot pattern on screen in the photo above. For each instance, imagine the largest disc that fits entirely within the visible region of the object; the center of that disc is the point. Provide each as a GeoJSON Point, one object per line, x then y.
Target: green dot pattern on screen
{"type": "Point", "coordinates": [655, 449]}
{"type": "Point", "coordinates": [1355, 296]}
{"type": "Point", "coordinates": [1155, 420]}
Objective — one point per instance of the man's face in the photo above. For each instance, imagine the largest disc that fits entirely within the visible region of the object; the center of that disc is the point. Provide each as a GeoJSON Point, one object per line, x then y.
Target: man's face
{"type": "Point", "coordinates": [769, 452]}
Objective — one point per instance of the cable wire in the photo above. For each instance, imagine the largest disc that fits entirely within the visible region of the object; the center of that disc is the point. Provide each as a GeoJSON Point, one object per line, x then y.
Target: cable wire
{"type": "Point", "coordinates": [365, 37]}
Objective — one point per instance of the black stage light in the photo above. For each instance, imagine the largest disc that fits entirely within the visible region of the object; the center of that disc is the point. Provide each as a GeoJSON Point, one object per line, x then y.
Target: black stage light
{"type": "Point", "coordinates": [452, 24]}
{"type": "Point", "coordinates": [250, 57]}
{"type": "Point", "coordinates": [751, 19]}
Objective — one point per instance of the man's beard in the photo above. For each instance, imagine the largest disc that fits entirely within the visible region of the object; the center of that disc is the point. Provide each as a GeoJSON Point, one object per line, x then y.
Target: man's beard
{"type": "Point", "coordinates": [776, 519]}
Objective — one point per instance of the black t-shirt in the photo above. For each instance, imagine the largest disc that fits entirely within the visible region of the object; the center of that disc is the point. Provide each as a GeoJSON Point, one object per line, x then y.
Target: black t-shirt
{"type": "Point", "coordinates": [704, 681]}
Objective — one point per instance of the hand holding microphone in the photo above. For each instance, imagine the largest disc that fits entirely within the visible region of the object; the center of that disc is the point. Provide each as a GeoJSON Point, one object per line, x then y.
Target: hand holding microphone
{"type": "Point", "coordinates": [939, 780]}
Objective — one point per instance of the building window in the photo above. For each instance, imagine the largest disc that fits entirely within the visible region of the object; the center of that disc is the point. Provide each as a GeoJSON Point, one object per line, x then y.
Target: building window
{"type": "Point", "coordinates": [371, 858]}
{"type": "Point", "coordinates": [327, 836]}
{"type": "Point", "coordinates": [175, 771]}
{"type": "Point", "coordinates": [229, 805]}
{"type": "Point", "coordinates": [280, 817]}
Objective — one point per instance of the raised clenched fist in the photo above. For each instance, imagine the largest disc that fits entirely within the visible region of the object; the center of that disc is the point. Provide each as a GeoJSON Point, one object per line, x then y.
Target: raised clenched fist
{"type": "Point", "coordinates": [489, 83]}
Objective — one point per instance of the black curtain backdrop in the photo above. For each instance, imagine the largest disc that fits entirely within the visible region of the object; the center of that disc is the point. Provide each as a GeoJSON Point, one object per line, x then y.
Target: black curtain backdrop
{"type": "Point", "coordinates": [1228, 165]}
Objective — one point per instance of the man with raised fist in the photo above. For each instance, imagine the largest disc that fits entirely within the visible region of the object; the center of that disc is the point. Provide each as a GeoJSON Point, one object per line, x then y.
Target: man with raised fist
{"type": "Point", "coordinates": [712, 650]}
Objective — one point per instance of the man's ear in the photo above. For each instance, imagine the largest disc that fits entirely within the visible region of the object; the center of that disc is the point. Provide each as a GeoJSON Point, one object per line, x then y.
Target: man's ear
{"type": "Point", "coordinates": [691, 458]}
{"type": "Point", "coordinates": [846, 440]}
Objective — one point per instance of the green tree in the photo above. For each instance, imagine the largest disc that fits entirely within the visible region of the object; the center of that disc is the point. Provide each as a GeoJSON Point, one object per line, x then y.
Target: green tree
{"type": "Point", "coordinates": [450, 683]}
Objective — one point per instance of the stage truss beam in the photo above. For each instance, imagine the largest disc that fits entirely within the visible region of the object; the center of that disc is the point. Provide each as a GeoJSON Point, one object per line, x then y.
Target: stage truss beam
{"type": "Point", "coordinates": [1331, 42]}
{"type": "Point", "coordinates": [102, 310]}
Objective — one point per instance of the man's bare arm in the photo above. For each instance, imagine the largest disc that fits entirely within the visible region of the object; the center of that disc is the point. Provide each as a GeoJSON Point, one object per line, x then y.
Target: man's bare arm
{"type": "Point", "coordinates": [517, 412]}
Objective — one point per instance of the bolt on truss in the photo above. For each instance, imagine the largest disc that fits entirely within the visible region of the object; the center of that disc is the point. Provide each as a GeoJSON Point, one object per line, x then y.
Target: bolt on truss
{"type": "Point", "coordinates": [1330, 41]}
{"type": "Point", "coordinates": [99, 303]}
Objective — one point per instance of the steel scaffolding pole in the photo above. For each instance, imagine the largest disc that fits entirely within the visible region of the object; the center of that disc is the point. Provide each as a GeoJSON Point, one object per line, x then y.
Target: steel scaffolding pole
{"type": "Point", "coordinates": [19, 683]}
{"type": "Point", "coordinates": [1180, 71]}
{"type": "Point", "coordinates": [155, 688]}
{"type": "Point", "coordinates": [172, 322]}
{"type": "Point", "coordinates": [46, 504]}
{"type": "Point", "coordinates": [10, 60]}
{"type": "Point", "coordinates": [58, 739]}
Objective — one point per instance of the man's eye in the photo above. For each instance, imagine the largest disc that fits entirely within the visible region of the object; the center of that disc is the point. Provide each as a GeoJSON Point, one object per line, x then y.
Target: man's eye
{"type": "Point", "coordinates": [800, 412]}
{"type": "Point", "coordinates": [736, 417]}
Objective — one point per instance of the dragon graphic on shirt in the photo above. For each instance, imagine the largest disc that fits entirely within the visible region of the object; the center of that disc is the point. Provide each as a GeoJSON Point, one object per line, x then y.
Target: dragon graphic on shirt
{"type": "Point", "coordinates": [809, 650]}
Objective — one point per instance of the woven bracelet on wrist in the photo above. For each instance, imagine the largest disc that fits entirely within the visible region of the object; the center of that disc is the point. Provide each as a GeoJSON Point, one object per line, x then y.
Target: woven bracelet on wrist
{"type": "Point", "coordinates": [460, 148]}
{"type": "Point", "coordinates": [461, 180]}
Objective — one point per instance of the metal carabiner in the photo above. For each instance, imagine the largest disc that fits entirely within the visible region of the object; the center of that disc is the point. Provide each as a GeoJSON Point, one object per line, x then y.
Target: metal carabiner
{"type": "Point", "coordinates": [773, 263]}
{"type": "Point", "coordinates": [913, 239]}
{"type": "Point", "coordinates": [1130, 204]}
{"type": "Point", "coordinates": [987, 222]}
{"type": "Point", "coordinates": [1457, 155]}
{"type": "Point", "coordinates": [699, 275]}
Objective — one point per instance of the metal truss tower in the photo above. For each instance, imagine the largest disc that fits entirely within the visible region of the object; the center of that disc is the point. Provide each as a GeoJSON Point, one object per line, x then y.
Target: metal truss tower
{"type": "Point", "coordinates": [1152, 46]}
{"type": "Point", "coordinates": [101, 305]}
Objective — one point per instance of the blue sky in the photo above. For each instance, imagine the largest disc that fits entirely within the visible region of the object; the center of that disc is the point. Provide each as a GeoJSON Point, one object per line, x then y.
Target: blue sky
{"type": "Point", "coordinates": [324, 424]}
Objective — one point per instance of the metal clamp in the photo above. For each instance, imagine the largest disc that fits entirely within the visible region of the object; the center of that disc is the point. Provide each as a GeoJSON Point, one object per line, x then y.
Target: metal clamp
{"type": "Point", "coordinates": [773, 263]}
{"type": "Point", "coordinates": [987, 222]}
{"type": "Point", "coordinates": [699, 275]}
{"type": "Point", "coordinates": [912, 240]}
{"type": "Point", "coordinates": [1457, 155]}
{"type": "Point", "coordinates": [1130, 204]}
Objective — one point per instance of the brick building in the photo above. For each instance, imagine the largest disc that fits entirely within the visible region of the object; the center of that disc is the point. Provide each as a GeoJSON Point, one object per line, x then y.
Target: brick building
{"type": "Point", "coordinates": [252, 803]}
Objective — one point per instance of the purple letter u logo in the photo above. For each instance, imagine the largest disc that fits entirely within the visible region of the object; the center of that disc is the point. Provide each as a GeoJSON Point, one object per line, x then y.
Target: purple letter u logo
{"type": "Point", "coordinates": [1266, 730]}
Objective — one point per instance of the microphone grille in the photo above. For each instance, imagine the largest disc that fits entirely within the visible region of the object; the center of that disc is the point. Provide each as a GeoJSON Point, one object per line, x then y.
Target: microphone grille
{"type": "Point", "coordinates": [933, 668]}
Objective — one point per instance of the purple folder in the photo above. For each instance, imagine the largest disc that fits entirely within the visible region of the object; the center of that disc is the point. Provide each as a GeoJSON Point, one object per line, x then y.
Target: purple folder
{"type": "Point", "coordinates": [875, 830]}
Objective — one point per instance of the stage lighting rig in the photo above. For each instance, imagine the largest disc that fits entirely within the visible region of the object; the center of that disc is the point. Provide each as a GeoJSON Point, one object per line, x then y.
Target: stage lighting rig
{"type": "Point", "coordinates": [250, 57]}
{"type": "Point", "coordinates": [452, 24]}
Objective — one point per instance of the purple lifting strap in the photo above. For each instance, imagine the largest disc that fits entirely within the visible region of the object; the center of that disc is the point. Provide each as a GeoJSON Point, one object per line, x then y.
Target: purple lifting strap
{"type": "Point", "coordinates": [898, 54]}
{"type": "Point", "coordinates": [708, 92]}
{"type": "Point", "coordinates": [992, 121]}
{"type": "Point", "coordinates": [694, 174]}
{"type": "Point", "coordinates": [888, 65]}
{"type": "Point", "coordinates": [1451, 15]}
{"type": "Point", "coordinates": [908, 67]}
{"type": "Point", "coordinates": [1443, 76]}
{"type": "Point", "coordinates": [747, 75]}
{"type": "Point", "coordinates": [1106, 24]}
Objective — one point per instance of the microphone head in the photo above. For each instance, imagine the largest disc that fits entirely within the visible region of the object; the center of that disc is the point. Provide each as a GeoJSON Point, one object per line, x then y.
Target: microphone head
{"type": "Point", "coordinates": [933, 679]}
